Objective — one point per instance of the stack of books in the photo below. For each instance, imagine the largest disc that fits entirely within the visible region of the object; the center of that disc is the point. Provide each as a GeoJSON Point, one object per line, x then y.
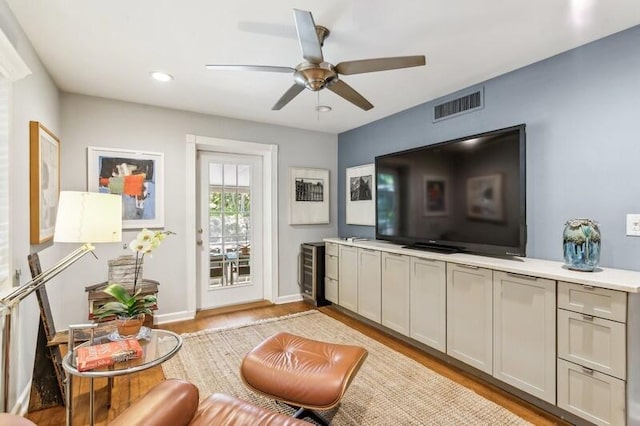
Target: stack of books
{"type": "Point", "coordinates": [105, 354]}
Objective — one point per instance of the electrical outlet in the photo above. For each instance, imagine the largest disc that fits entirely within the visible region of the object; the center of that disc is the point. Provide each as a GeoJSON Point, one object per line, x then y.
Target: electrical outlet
{"type": "Point", "coordinates": [633, 225]}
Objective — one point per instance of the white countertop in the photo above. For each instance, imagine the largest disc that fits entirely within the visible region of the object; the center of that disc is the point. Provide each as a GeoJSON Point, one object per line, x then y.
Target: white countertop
{"type": "Point", "coordinates": [614, 279]}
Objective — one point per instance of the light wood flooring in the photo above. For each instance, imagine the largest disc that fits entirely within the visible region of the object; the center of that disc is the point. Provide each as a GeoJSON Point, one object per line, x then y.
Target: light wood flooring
{"type": "Point", "coordinates": [130, 388]}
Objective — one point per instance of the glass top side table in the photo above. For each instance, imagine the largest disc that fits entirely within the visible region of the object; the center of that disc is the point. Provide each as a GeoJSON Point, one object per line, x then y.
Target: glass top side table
{"type": "Point", "coordinates": [159, 347]}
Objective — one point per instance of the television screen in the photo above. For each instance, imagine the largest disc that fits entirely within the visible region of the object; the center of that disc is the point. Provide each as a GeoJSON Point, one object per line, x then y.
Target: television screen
{"type": "Point", "coordinates": [466, 194]}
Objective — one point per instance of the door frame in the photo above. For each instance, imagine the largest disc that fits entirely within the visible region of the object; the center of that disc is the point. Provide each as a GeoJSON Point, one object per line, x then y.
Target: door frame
{"type": "Point", "coordinates": [269, 154]}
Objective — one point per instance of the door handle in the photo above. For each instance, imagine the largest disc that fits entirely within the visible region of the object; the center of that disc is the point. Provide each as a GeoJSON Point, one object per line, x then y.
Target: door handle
{"type": "Point", "coordinates": [199, 242]}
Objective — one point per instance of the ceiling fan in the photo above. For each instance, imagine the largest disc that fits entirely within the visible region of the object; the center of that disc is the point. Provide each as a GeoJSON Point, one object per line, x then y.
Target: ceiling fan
{"type": "Point", "coordinates": [316, 74]}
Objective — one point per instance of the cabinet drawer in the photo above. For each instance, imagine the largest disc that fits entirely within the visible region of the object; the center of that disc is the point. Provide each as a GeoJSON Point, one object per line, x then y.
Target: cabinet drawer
{"type": "Point", "coordinates": [331, 290]}
{"type": "Point", "coordinates": [594, 342]}
{"type": "Point", "coordinates": [600, 302]}
{"type": "Point", "coordinates": [591, 395]}
{"type": "Point", "coordinates": [331, 266]}
{"type": "Point", "coordinates": [331, 248]}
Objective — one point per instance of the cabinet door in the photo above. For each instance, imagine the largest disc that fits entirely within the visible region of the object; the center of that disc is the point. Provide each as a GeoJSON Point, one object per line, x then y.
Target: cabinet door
{"type": "Point", "coordinates": [428, 321]}
{"type": "Point", "coordinates": [369, 284]}
{"type": "Point", "coordinates": [395, 292]}
{"type": "Point", "coordinates": [331, 290]}
{"type": "Point", "coordinates": [470, 315]}
{"type": "Point", "coordinates": [524, 333]}
{"type": "Point", "coordinates": [593, 342]}
{"type": "Point", "coordinates": [591, 395]}
{"type": "Point", "coordinates": [331, 266]}
{"type": "Point", "coordinates": [348, 278]}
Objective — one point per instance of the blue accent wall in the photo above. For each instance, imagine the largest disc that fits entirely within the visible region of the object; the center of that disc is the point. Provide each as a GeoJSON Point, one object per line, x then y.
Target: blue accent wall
{"type": "Point", "coordinates": [582, 111]}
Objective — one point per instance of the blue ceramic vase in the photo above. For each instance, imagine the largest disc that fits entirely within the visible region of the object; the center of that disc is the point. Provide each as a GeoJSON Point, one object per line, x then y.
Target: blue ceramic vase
{"type": "Point", "coordinates": [581, 244]}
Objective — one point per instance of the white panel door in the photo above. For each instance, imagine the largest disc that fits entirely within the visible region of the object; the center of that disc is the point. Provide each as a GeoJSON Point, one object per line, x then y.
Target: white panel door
{"type": "Point", "coordinates": [524, 333]}
{"type": "Point", "coordinates": [395, 292]}
{"type": "Point", "coordinates": [470, 315]}
{"type": "Point", "coordinates": [230, 229]}
{"type": "Point", "coordinates": [429, 302]}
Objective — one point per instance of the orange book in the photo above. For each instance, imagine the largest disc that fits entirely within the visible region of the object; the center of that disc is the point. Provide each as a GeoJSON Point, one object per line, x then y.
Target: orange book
{"type": "Point", "coordinates": [90, 357]}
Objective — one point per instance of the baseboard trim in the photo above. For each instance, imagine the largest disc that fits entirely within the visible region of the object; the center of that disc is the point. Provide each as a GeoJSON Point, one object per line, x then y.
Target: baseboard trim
{"type": "Point", "coordinates": [173, 317]}
{"type": "Point", "coordinates": [288, 299]}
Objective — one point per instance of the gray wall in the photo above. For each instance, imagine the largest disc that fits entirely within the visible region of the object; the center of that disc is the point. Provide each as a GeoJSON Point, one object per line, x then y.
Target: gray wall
{"type": "Point", "coordinates": [581, 111]}
{"type": "Point", "coordinates": [91, 121]}
{"type": "Point", "coordinates": [35, 97]}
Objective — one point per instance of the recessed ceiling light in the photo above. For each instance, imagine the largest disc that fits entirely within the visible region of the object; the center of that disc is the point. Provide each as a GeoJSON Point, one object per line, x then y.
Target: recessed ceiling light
{"type": "Point", "coordinates": [161, 76]}
{"type": "Point", "coordinates": [323, 108]}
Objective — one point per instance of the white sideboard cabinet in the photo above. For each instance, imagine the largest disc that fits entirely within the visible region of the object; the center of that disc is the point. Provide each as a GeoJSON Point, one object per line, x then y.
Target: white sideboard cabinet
{"type": "Point", "coordinates": [567, 341]}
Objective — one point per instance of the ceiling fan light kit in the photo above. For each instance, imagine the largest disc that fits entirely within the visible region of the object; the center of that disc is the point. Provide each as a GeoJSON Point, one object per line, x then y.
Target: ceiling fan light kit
{"type": "Point", "coordinates": [315, 74]}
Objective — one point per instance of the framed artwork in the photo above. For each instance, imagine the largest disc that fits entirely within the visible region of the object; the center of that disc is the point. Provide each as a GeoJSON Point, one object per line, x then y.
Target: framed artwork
{"type": "Point", "coordinates": [361, 195]}
{"type": "Point", "coordinates": [485, 198]}
{"type": "Point", "coordinates": [436, 196]}
{"type": "Point", "coordinates": [308, 196]}
{"type": "Point", "coordinates": [136, 175]}
{"type": "Point", "coordinates": [44, 184]}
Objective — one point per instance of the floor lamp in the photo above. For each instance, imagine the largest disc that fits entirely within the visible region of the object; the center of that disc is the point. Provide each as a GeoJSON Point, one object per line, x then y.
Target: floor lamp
{"type": "Point", "coordinates": [82, 217]}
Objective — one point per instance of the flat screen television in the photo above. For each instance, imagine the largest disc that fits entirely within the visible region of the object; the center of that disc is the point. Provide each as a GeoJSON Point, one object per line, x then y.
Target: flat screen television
{"type": "Point", "coordinates": [462, 195]}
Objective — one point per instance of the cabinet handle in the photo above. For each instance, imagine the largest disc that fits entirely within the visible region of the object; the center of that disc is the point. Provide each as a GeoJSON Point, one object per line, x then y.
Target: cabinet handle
{"type": "Point", "coordinates": [468, 266]}
{"type": "Point", "coordinates": [524, 277]}
{"type": "Point", "coordinates": [588, 287]}
{"type": "Point", "coordinates": [588, 371]}
{"type": "Point", "coordinates": [587, 317]}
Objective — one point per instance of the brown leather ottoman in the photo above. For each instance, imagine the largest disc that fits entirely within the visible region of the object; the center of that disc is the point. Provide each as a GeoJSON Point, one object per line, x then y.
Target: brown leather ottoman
{"type": "Point", "coordinates": [307, 374]}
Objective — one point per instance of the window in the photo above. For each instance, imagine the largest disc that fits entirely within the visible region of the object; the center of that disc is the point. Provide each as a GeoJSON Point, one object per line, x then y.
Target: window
{"type": "Point", "coordinates": [5, 259]}
{"type": "Point", "coordinates": [12, 68]}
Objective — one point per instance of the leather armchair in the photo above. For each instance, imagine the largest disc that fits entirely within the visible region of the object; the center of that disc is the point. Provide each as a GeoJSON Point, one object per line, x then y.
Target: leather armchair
{"type": "Point", "coordinates": [174, 402]}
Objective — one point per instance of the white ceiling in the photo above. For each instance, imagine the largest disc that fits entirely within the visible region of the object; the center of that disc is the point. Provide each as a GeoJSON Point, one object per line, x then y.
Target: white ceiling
{"type": "Point", "coordinates": [107, 49]}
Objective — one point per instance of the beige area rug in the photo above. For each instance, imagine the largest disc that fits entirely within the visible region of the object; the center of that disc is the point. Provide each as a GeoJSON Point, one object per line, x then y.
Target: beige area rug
{"type": "Point", "coordinates": [390, 388]}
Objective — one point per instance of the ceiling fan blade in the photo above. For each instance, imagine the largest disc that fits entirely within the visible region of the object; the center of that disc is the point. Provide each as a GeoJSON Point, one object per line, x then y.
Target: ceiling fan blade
{"type": "Point", "coordinates": [343, 89]}
{"type": "Point", "coordinates": [250, 68]}
{"type": "Point", "coordinates": [379, 64]}
{"type": "Point", "coordinates": [307, 36]}
{"type": "Point", "coordinates": [288, 96]}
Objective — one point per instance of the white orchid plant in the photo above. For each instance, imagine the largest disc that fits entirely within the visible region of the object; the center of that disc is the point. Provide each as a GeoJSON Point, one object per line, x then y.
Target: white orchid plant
{"type": "Point", "coordinates": [144, 243]}
{"type": "Point", "coordinates": [126, 304]}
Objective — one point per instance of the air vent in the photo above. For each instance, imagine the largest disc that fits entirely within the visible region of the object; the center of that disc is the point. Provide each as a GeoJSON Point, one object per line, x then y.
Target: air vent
{"type": "Point", "coordinates": [461, 105]}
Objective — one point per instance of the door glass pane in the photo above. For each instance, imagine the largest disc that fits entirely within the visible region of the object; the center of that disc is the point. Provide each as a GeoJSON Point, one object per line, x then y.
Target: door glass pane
{"type": "Point", "coordinates": [229, 224]}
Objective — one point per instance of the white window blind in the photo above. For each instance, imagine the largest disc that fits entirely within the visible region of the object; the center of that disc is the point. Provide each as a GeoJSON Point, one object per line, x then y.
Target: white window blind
{"type": "Point", "coordinates": [4, 182]}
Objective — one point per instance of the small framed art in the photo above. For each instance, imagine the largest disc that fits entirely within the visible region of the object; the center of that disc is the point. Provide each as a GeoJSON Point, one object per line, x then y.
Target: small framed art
{"type": "Point", "coordinates": [44, 185]}
{"type": "Point", "coordinates": [136, 175]}
{"type": "Point", "coordinates": [308, 196]}
{"type": "Point", "coordinates": [361, 195]}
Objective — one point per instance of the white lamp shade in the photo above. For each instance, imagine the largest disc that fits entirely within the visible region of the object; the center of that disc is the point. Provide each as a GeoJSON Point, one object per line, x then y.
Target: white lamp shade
{"type": "Point", "coordinates": [88, 217]}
